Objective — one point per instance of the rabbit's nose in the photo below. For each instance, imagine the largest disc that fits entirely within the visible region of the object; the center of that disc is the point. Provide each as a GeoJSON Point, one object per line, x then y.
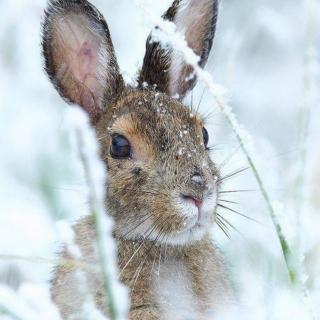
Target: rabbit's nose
{"type": "Point", "coordinates": [197, 178]}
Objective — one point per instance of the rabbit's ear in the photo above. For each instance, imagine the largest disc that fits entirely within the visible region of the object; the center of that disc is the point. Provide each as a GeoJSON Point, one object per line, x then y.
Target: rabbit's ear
{"type": "Point", "coordinates": [79, 55]}
{"type": "Point", "coordinates": [165, 68]}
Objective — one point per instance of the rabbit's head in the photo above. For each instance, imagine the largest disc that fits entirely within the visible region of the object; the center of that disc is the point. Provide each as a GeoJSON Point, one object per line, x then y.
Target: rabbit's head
{"type": "Point", "coordinates": [162, 185]}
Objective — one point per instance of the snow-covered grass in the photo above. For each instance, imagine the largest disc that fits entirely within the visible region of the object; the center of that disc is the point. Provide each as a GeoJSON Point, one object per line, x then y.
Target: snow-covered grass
{"type": "Point", "coordinates": [270, 66]}
{"type": "Point", "coordinates": [95, 175]}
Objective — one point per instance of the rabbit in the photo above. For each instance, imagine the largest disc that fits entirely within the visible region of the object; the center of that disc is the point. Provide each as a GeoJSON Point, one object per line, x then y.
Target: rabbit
{"type": "Point", "coordinates": [162, 187]}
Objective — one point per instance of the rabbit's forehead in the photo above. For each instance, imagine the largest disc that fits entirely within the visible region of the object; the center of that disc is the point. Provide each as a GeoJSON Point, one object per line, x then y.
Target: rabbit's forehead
{"type": "Point", "coordinates": [163, 120]}
{"type": "Point", "coordinates": [145, 122]}
{"type": "Point", "coordinates": [152, 111]}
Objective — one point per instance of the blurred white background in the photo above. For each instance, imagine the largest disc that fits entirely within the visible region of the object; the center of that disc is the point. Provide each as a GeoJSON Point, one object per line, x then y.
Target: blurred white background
{"type": "Point", "coordinates": [266, 53]}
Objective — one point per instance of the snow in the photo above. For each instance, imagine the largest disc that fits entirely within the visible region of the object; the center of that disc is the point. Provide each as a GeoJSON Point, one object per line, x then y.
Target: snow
{"type": "Point", "coordinates": [270, 65]}
{"type": "Point", "coordinates": [31, 302]}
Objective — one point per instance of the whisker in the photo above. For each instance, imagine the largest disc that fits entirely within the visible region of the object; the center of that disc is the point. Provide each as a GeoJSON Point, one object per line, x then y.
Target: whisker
{"type": "Point", "coordinates": [215, 147]}
{"type": "Point", "coordinates": [209, 115]}
{"type": "Point", "coordinates": [154, 261]}
{"type": "Point", "coordinates": [159, 266]}
{"type": "Point", "coordinates": [239, 213]}
{"type": "Point", "coordinates": [229, 157]}
{"type": "Point", "coordinates": [227, 222]}
{"type": "Point", "coordinates": [234, 173]}
{"type": "Point", "coordinates": [201, 98]}
{"type": "Point", "coordinates": [146, 217]}
{"type": "Point", "coordinates": [140, 267]}
{"type": "Point", "coordinates": [165, 246]}
{"type": "Point", "coordinates": [222, 226]}
{"type": "Point", "coordinates": [191, 101]}
{"type": "Point", "coordinates": [228, 201]}
{"type": "Point", "coordinates": [130, 259]}
{"type": "Point", "coordinates": [235, 191]}
{"type": "Point", "coordinates": [137, 273]}
{"type": "Point", "coordinates": [103, 137]}
{"type": "Point", "coordinates": [161, 233]}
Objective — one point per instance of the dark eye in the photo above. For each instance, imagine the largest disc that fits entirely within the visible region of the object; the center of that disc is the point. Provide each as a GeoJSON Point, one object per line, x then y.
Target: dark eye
{"type": "Point", "coordinates": [120, 147]}
{"type": "Point", "coordinates": [205, 136]}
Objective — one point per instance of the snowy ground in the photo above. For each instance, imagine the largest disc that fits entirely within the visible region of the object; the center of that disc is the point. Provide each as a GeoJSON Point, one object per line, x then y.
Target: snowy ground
{"type": "Point", "coordinates": [266, 53]}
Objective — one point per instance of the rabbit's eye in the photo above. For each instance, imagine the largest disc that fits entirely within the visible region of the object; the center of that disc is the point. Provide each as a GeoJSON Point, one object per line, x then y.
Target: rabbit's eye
{"type": "Point", "coordinates": [120, 147]}
{"type": "Point", "coordinates": [205, 136]}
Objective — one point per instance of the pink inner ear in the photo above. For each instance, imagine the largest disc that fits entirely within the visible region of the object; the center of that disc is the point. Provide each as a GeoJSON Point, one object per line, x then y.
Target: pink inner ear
{"type": "Point", "coordinates": [86, 51]}
{"type": "Point", "coordinates": [86, 63]}
{"type": "Point", "coordinates": [78, 50]}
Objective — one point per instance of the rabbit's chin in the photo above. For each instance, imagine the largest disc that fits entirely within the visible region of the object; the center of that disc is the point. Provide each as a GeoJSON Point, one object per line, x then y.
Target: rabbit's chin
{"type": "Point", "coordinates": [197, 223]}
{"type": "Point", "coordinates": [188, 236]}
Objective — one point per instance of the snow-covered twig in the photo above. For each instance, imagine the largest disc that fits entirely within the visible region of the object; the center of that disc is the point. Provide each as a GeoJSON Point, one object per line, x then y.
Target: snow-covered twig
{"type": "Point", "coordinates": [166, 33]}
{"type": "Point", "coordinates": [87, 308]}
{"type": "Point", "coordinates": [68, 263]}
{"type": "Point", "coordinates": [116, 294]}
{"type": "Point", "coordinates": [18, 304]}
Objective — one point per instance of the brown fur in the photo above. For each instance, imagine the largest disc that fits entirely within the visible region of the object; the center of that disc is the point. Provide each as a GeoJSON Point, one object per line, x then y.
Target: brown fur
{"type": "Point", "coordinates": [169, 160]}
{"type": "Point", "coordinates": [206, 286]}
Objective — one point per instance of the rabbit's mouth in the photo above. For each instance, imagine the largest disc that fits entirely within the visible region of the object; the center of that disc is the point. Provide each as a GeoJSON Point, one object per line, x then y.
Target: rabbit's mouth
{"type": "Point", "coordinates": [203, 204]}
{"type": "Point", "coordinates": [197, 213]}
{"type": "Point", "coordinates": [198, 202]}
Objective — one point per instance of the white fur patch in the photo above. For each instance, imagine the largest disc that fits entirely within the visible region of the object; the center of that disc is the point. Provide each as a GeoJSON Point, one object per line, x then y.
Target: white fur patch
{"type": "Point", "coordinates": [175, 297]}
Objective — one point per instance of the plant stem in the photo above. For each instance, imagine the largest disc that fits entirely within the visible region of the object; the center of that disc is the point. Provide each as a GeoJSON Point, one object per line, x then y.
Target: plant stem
{"type": "Point", "coordinates": [68, 263]}
{"type": "Point", "coordinates": [101, 246]}
{"type": "Point", "coordinates": [235, 127]}
{"type": "Point", "coordinates": [5, 311]}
